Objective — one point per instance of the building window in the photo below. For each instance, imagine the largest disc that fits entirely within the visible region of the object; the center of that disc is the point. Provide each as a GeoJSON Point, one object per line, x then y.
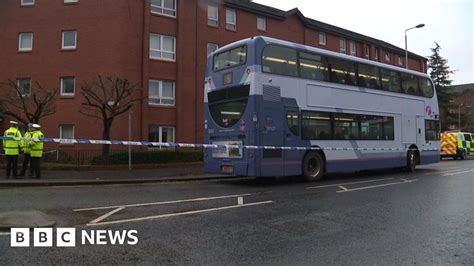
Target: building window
{"type": "Point", "coordinates": [27, 2]}
{"type": "Point", "coordinates": [322, 38]}
{"type": "Point", "coordinates": [68, 86]}
{"type": "Point", "coordinates": [230, 19]}
{"type": "Point", "coordinates": [261, 23]}
{"type": "Point", "coordinates": [69, 40]}
{"type": "Point", "coordinates": [211, 48]}
{"type": "Point", "coordinates": [24, 86]}
{"type": "Point", "coordinates": [162, 47]}
{"type": "Point", "coordinates": [400, 60]}
{"type": "Point", "coordinates": [342, 46]}
{"type": "Point", "coordinates": [388, 57]}
{"type": "Point", "coordinates": [376, 56]}
{"type": "Point", "coordinates": [164, 7]}
{"type": "Point", "coordinates": [352, 46]}
{"type": "Point", "coordinates": [161, 92]}
{"type": "Point", "coordinates": [213, 15]}
{"type": "Point", "coordinates": [25, 41]}
{"type": "Point", "coordinates": [71, 1]}
{"type": "Point", "coordinates": [367, 51]}
{"type": "Point", "coordinates": [162, 134]}
{"type": "Point", "coordinates": [66, 131]}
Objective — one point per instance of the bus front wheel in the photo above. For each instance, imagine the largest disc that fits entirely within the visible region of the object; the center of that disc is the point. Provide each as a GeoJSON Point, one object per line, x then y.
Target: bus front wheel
{"type": "Point", "coordinates": [411, 161]}
{"type": "Point", "coordinates": [313, 166]}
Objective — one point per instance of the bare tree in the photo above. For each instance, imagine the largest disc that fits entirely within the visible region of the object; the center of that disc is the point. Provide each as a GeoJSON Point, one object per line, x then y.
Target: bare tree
{"type": "Point", "coordinates": [27, 106]}
{"type": "Point", "coordinates": [107, 98]}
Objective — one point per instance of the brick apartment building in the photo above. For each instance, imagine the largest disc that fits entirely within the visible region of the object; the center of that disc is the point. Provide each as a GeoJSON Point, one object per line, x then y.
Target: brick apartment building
{"type": "Point", "coordinates": [162, 44]}
{"type": "Point", "coordinates": [463, 102]}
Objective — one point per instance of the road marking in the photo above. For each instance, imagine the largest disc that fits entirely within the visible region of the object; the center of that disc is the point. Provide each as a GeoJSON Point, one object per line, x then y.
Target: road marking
{"type": "Point", "coordinates": [446, 172]}
{"type": "Point", "coordinates": [166, 202]}
{"type": "Point", "coordinates": [240, 201]}
{"type": "Point", "coordinates": [350, 183]}
{"type": "Point", "coordinates": [179, 213]}
{"type": "Point", "coordinates": [106, 215]}
{"type": "Point", "coordinates": [458, 173]}
{"type": "Point", "coordinates": [343, 188]}
{"type": "Point", "coordinates": [5, 233]}
{"type": "Point", "coordinates": [376, 186]}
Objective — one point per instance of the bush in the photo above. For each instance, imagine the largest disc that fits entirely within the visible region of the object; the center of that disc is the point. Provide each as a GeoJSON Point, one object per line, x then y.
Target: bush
{"type": "Point", "coordinates": [150, 157]}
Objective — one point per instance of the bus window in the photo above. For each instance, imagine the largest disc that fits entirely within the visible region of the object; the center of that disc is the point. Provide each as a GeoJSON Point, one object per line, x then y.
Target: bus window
{"type": "Point", "coordinates": [342, 71]}
{"type": "Point", "coordinates": [228, 105]}
{"type": "Point", "coordinates": [388, 128]}
{"type": "Point", "coordinates": [346, 127]}
{"type": "Point", "coordinates": [316, 125]}
{"type": "Point", "coordinates": [410, 84]}
{"type": "Point", "coordinates": [279, 60]}
{"type": "Point", "coordinates": [390, 80]}
{"type": "Point", "coordinates": [314, 66]}
{"type": "Point", "coordinates": [431, 130]}
{"type": "Point", "coordinates": [293, 123]}
{"type": "Point", "coordinates": [368, 76]}
{"type": "Point", "coordinates": [371, 127]}
{"type": "Point", "coordinates": [230, 58]}
{"type": "Point", "coordinates": [426, 87]}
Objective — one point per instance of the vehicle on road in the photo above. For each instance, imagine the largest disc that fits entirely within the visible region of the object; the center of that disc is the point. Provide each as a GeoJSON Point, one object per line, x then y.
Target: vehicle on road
{"type": "Point", "coordinates": [314, 111]}
{"type": "Point", "coordinates": [456, 145]}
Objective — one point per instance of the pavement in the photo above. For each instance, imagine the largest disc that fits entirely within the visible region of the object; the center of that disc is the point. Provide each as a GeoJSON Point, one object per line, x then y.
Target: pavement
{"type": "Point", "coordinates": [103, 177]}
{"type": "Point", "coordinates": [372, 218]}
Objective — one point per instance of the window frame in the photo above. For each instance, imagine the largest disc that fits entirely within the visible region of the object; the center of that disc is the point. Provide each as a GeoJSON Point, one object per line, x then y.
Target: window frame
{"type": "Point", "coordinates": [161, 50]}
{"type": "Point", "coordinates": [229, 25]}
{"type": "Point", "coordinates": [322, 41]}
{"type": "Point", "coordinates": [264, 19]}
{"type": "Point", "coordinates": [63, 47]}
{"type": "Point", "coordinates": [20, 42]}
{"type": "Point", "coordinates": [22, 3]}
{"type": "Point", "coordinates": [400, 60]}
{"type": "Point", "coordinates": [437, 130]}
{"type": "Point", "coordinates": [342, 50]}
{"type": "Point", "coordinates": [216, 19]}
{"type": "Point", "coordinates": [163, 8]}
{"type": "Point", "coordinates": [352, 52]}
{"type": "Point", "coordinates": [243, 63]}
{"type": "Point", "coordinates": [71, 1]}
{"type": "Point", "coordinates": [61, 88]}
{"type": "Point", "coordinates": [215, 45]}
{"type": "Point", "coordinates": [160, 93]}
{"type": "Point", "coordinates": [18, 80]}
{"type": "Point", "coordinates": [388, 56]}
{"type": "Point", "coordinates": [61, 130]}
{"type": "Point", "coordinates": [160, 133]}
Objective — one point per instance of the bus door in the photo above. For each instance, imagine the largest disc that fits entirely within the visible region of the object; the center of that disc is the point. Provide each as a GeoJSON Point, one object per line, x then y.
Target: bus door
{"type": "Point", "coordinates": [292, 158]}
{"type": "Point", "coordinates": [420, 131]}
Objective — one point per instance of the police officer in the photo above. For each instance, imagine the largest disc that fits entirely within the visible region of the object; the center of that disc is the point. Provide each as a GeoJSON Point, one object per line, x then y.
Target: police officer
{"type": "Point", "coordinates": [26, 151]}
{"type": "Point", "coordinates": [36, 150]}
{"type": "Point", "coordinates": [12, 148]}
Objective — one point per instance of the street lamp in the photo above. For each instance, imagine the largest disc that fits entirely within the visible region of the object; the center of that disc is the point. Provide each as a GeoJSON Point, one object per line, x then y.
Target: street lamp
{"type": "Point", "coordinates": [406, 42]}
{"type": "Point", "coordinates": [459, 114]}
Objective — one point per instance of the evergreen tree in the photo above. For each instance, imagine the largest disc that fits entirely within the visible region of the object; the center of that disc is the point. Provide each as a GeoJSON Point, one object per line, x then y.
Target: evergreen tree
{"type": "Point", "coordinates": [440, 74]}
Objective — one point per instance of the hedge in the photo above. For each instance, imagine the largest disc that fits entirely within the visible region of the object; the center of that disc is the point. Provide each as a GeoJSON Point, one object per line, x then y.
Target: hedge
{"type": "Point", "coordinates": [150, 157]}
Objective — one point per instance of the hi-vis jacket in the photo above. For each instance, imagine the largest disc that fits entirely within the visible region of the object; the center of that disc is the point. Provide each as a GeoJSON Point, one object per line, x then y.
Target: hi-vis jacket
{"type": "Point", "coordinates": [12, 147]}
{"type": "Point", "coordinates": [36, 146]}
{"type": "Point", "coordinates": [25, 143]}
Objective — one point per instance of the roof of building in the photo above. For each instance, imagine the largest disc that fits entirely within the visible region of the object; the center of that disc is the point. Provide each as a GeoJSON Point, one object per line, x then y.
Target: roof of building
{"type": "Point", "coordinates": [275, 13]}
{"type": "Point", "coordinates": [458, 89]}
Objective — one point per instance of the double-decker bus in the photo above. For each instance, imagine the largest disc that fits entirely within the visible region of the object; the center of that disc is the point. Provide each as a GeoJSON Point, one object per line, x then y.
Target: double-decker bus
{"type": "Point", "coordinates": [277, 108]}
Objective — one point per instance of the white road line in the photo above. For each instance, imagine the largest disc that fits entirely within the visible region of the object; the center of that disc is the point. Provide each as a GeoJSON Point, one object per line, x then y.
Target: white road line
{"type": "Point", "coordinates": [5, 233]}
{"type": "Point", "coordinates": [350, 183]}
{"type": "Point", "coordinates": [106, 215]}
{"type": "Point", "coordinates": [376, 186]}
{"type": "Point", "coordinates": [343, 187]}
{"type": "Point", "coordinates": [458, 173]}
{"type": "Point", "coordinates": [164, 202]}
{"type": "Point", "coordinates": [447, 172]}
{"type": "Point", "coordinates": [180, 213]}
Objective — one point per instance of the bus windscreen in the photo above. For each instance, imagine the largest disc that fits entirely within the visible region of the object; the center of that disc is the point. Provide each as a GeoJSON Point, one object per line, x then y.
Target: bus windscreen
{"type": "Point", "coordinates": [230, 58]}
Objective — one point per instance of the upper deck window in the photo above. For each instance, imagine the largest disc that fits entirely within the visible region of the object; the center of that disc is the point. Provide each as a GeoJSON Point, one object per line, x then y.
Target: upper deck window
{"type": "Point", "coordinates": [280, 60]}
{"type": "Point", "coordinates": [313, 66]}
{"type": "Point", "coordinates": [230, 58]}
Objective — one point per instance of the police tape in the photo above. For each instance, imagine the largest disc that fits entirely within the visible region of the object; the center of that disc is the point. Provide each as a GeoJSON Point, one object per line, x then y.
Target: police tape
{"type": "Point", "coordinates": [204, 146]}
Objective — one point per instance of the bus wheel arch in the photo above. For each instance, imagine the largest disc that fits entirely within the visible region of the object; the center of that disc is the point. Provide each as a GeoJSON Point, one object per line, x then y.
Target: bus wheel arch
{"type": "Point", "coordinates": [314, 165]}
{"type": "Point", "coordinates": [413, 158]}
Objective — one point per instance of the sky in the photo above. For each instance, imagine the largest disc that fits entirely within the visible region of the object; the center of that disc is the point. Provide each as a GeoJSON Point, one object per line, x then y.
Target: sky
{"type": "Point", "coordinates": [450, 23]}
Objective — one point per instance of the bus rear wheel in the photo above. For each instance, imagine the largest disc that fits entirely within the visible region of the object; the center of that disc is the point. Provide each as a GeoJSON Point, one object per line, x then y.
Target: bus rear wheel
{"type": "Point", "coordinates": [313, 166]}
{"type": "Point", "coordinates": [411, 161]}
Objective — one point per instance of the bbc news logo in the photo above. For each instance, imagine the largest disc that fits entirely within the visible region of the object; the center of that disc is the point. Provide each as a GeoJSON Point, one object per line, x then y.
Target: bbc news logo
{"type": "Point", "coordinates": [66, 237]}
